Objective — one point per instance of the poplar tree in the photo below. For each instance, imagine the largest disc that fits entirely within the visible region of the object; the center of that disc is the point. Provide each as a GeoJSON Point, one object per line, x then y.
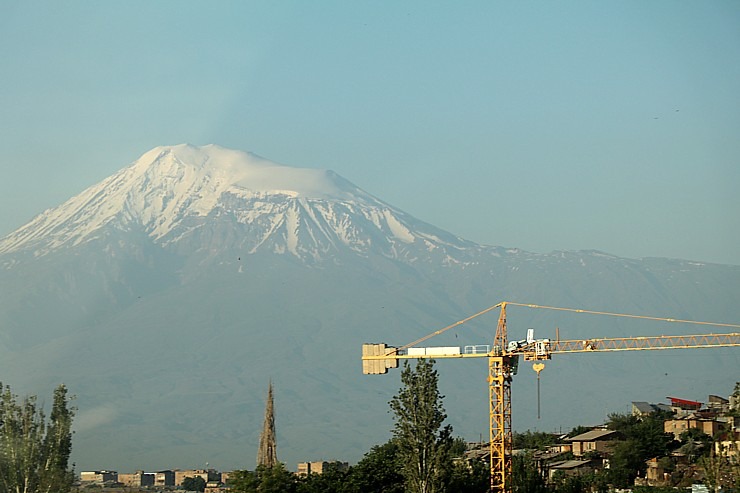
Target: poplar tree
{"type": "Point", "coordinates": [423, 443]}
{"type": "Point", "coordinates": [34, 453]}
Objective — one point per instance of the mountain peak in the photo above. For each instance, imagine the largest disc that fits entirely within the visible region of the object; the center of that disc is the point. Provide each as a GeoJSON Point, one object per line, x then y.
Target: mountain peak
{"type": "Point", "coordinates": [220, 168]}
{"type": "Point", "coordinates": [184, 192]}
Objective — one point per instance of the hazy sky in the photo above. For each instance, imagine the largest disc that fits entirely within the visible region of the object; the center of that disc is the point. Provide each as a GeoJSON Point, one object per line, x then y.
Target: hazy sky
{"type": "Point", "coordinates": [540, 125]}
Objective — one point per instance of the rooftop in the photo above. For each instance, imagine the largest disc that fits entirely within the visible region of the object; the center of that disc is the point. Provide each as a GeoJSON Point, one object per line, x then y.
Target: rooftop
{"type": "Point", "coordinates": [569, 464]}
{"type": "Point", "coordinates": [593, 435]}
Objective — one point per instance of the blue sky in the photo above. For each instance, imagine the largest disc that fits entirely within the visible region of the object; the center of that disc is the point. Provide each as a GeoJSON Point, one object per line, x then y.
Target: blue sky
{"type": "Point", "coordinates": [540, 125]}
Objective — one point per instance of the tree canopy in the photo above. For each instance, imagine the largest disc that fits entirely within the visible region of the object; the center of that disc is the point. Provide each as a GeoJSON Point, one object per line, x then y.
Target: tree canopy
{"type": "Point", "coordinates": [196, 483]}
{"type": "Point", "coordinates": [34, 452]}
{"type": "Point", "coordinates": [645, 438]}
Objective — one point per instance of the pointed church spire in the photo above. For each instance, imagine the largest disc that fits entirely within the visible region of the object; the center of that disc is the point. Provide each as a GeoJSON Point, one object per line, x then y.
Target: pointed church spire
{"type": "Point", "coordinates": [267, 453]}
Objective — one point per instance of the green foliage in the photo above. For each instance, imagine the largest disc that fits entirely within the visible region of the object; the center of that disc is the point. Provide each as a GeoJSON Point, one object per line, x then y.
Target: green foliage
{"type": "Point", "coordinates": [243, 481]}
{"type": "Point", "coordinates": [532, 440]}
{"type": "Point", "coordinates": [625, 463]}
{"type": "Point", "coordinates": [333, 479]}
{"type": "Point", "coordinates": [423, 443]}
{"type": "Point", "coordinates": [194, 484]}
{"type": "Point", "coordinates": [468, 477]}
{"type": "Point", "coordinates": [378, 471]}
{"type": "Point", "coordinates": [578, 430]}
{"type": "Point", "coordinates": [654, 489]}
{"type": "Point", "coordinates": [274, 479]}
{"type": "Point", "coordinates": [721, 473]}
{"type": "Point", "coordinates": [57, 445]}
{"type": "Point", "coordinates": [695, 444]}
{"type": "Point", "coordinates": [592, 482]}
{"type": "Point", "coordinates": [525, 477]}
{"type": "Point", "coordinates": [34, 453]}
{"type": "Point", "coordinates": [624, 423]}
{"type": "Point", "coordinates": [570, 484]}
{"type": "Point", "coordinates": [645, 439]}
{"type": "Point", "coordinates": [667, 464]}
{"type": "Point", "coordinates": [694, 434]}
{"type": "Point", "coordinates": [592, 455]}
{"type": "Point", "coordinates": [459, 447]}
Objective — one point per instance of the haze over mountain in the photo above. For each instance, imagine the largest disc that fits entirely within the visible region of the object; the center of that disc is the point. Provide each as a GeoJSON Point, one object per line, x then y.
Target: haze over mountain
{"type": "Point", "coordinates": [168, 294]}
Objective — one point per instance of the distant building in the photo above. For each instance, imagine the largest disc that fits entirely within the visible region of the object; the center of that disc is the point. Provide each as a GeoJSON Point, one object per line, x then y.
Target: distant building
{"type": "Point", "coordinates": [98, 477]}
{"type": "Point", "coordinates": [734, 402]}
{"type": "Point", "coordinates": [729, 444]}
{"type": "Point", "coordinates": [718, 404]}
{"type": "Point", "coordinates": [137, 479]}
{"type": "Point", "coordinates": [208, 475]}
{"type": "Point", "coordinates": [544, 458]}
{"type": "Point", "coordinates": [601, 441]}
{"type": "Point", "coordinates": [680, 425]}
{"type": "Point", "coordinates": [164, 478]}
{"type": "Point", "coordinates": [655, 473]}
{"type": "Point", "coordinates": [306, 468]}
{"type": "Point", "coordinates": [678, 405]}
{"type": "Point", "coordinates": [561, 447]}
{"type": "Point", "coordinates": [477, 452]}
{"type": "Point", "coordinates": [728, 448]}
{"type": "Point", "coordinates": [215, 487]}
{"type": "Point", "coordinates": [645, 408]}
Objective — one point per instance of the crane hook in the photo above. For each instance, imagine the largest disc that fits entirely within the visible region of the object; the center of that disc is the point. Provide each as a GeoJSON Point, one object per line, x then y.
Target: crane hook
{"type": "Point", "coordinates": [538, 367]}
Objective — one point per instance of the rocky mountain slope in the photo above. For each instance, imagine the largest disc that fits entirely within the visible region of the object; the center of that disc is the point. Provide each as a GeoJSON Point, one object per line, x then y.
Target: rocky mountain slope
{"type": "Point", "coordinates": [167, 295]}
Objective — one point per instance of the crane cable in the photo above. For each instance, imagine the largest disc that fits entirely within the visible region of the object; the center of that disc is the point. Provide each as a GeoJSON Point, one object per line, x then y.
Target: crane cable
{"type": "Point", "coordinates": [625, 315]}
{"type": "Point", "coordinates": [574, 310]}
{"type": "Point", "coordinates": [445, 329]}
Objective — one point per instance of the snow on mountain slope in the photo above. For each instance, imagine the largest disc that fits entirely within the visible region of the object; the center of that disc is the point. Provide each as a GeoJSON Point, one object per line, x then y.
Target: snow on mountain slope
{"type": "Point", "coordinates": [170, 191]}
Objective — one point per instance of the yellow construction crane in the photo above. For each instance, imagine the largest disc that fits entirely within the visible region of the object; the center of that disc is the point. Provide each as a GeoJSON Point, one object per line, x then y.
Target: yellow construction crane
{"type": "Point", "coordinates": [503, 358]}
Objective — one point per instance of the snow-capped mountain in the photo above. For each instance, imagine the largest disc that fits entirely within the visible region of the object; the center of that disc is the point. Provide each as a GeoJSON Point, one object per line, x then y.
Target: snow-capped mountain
{"type": "Point", "coordinates": [177, 192]}
{"type": "Point", "coordinates": [167, 296]}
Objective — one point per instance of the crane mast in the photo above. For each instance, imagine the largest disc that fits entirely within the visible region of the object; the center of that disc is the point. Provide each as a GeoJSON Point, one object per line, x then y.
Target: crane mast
{"type": "Point", "coordinates": [503, 360]}
{"type": "Point", "coordinates": [499, 394]}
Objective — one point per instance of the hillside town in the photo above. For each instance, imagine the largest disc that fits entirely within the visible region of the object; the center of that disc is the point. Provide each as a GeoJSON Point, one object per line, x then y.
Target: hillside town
{"type": "Point", "coordinates": [708, 431]}
{"type": "Point", "coordinates": [704, 448]}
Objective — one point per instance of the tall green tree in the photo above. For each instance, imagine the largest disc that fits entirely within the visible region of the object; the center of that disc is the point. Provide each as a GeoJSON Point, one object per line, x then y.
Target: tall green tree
{"type": "Point", "coordinates": [56, 475]}
{"type": "Point", "coordinates": [423, 442]}
{"type": "Point", "coordinates": [34, 453]}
